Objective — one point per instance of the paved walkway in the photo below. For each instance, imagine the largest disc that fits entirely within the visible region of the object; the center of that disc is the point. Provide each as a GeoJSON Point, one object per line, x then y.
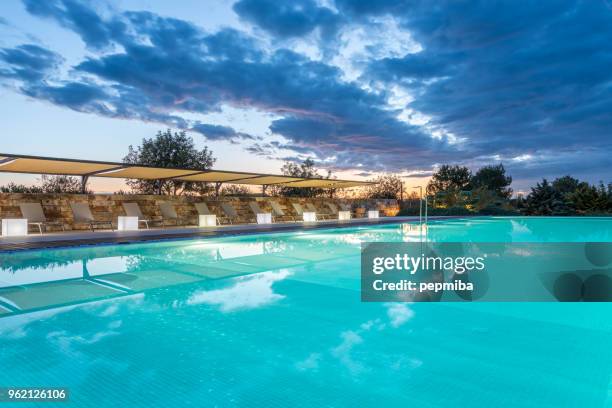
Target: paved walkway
{"type": "Point", "coordinates": [77, 238]}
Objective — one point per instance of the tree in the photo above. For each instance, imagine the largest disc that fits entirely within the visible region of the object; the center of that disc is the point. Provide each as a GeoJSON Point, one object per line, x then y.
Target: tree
{"type": "Point", "coordinates": [448, 183]}
{"type": "Point", "coordinates": [20, 188]}
{"type": "Point", "coordinates": [449, 178]}
{"type": "Point", "coordinates": [234, 190]}
{"type": "Point", "coordinates": [168, 149]}
{"type": "Point", "coordinates": [584, 198]}
{"type": "Point", "coordinates": [566, 184]}
{"type": "Point", "coordinates": [494, 179]}
{"type": "Point", "coordinates": [306, 169]}
{"type": "Point", "coordinates": [61, 184]}
{"type": "Point", "coordinates": [545, 200]}
{"type": "Point", "coordinates": [49, 185]}
{"type": "Point", "coordinates": [587, 199]}
{"type": "Point", "coordinates": [388, 186]}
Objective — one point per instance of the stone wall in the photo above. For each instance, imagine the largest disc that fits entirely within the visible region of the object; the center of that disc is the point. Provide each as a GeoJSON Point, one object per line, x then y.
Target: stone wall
{"type": "Point", "coordinates": [108, 206]}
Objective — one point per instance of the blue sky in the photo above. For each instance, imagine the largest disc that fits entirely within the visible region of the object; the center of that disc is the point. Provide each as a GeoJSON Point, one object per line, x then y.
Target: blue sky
{"type": "Point", "coordinates": [362, 87]}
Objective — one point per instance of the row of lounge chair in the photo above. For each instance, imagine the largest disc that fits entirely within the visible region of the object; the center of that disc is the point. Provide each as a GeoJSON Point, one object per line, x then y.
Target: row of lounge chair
{"type": "Point", "coordinates": [82, 214]}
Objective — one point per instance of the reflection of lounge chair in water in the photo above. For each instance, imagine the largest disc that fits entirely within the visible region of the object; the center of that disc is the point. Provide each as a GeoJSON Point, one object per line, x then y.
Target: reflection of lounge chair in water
{"type": "Point", "coordinates": [146, 279]}
{"type": "Point", "coordinates": [53, 294]}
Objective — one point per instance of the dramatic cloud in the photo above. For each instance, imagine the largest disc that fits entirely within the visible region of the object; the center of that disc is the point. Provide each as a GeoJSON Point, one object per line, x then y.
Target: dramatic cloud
{"type": "Point", "coordinates": [28, 62]}
{"type": "Point", "coordinates": [79, 17]}
{"type": "Point", "coordinates": [510, 80]}
{"type": "Point", "coordinates": [292, 18]}
{"type": "Point", "coordinates": [471, 82]}
{"type": "Point", "coordinates": [218, 132]}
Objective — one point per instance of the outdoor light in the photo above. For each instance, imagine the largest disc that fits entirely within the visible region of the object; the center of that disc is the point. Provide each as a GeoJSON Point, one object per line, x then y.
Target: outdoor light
{"type": "Point", "coordinates": [14, 227]}
{"type": "Point", "coordinates": [207, 220]}
{"type": "Point", "coordinates": [344, 215]}
{"type": "Point", "coordinates": [309, 216]}
{"type": "Point", "coordinates": [373, 214]}
{"type": "Point", "coordinates": [264, 218]}
{"type": "Point", "coordinates": [127, 223]}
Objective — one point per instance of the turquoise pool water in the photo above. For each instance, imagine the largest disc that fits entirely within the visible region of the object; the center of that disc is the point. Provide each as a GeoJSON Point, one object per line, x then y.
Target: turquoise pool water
{"type": "Point", "coordinates": [276, 320]}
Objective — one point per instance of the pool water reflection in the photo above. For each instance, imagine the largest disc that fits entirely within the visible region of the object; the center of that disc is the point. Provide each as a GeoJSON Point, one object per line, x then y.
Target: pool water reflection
{"type": "Point", "coordinates": [276, 319]}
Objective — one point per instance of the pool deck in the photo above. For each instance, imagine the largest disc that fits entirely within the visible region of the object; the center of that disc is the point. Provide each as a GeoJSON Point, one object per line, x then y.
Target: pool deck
{"type": "Point", "coordinates": [100, 237]}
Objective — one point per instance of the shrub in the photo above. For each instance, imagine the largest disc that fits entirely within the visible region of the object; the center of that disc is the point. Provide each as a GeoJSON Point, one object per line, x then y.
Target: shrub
{"type": "Point", "coordinates": [498, 211]}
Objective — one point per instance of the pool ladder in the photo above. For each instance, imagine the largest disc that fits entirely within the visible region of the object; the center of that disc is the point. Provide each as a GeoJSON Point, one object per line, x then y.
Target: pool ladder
{"type": "Point", "coordinates": [421, 225]}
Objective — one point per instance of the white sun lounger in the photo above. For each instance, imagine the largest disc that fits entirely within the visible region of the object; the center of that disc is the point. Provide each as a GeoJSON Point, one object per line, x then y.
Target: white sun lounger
{"type": "Point", "coordinates": [256, 210]}
{"type": "Point", "coordinates": [82, 213]}
{"type": "Point", "coordinates": [230, 212]}
{"type": "Point", "coordinates": [36, 216]}
{"type": "Point", "coordinates": [168, 212]}
{"type": "Point", "coordinates": [133, 210]}
{"type": "Point", "coordinates": [312, 208]}
{"type": "Point", "coordinates": [277, 211]}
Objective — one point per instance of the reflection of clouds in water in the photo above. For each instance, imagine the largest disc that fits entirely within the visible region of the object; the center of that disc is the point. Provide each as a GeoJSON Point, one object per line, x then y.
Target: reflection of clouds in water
{"type": "Point", "coordinates": [343, 351]}
{"type": "Point", "coordinates": [377, 324]}
{"type": "Point", "coordinates": [398, 313]}
{"type": "Point", "coordinates": [69, 343]}
{"type": "Point", "coordinates": [405, 362]}
{"type": "Point", "coordinates": [109, 307]}
{"type": "Point", "coordinates": [12, 327]}
{"type": "Point", "coordinates": [249, 292]}
{"type": "Point", "coordinates": [65, 337]}
{"type": "Point", "coordinates": [310, 363]}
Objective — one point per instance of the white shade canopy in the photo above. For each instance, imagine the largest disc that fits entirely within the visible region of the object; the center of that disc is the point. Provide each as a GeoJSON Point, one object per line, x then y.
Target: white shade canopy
{"type": "Point", "coordinates": [11, 163]}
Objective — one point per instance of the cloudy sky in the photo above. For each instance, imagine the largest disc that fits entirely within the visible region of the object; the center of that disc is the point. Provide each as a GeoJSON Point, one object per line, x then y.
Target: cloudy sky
{"type": "Point", "coordinates": [362, 87]}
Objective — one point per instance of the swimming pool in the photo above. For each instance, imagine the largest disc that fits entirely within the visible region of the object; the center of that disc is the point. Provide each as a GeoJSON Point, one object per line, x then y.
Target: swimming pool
{"type": "Point", "coordinates": [275, 320]}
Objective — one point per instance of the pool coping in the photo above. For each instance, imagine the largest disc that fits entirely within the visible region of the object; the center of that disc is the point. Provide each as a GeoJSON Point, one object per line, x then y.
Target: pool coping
{"type": "Point", "coordinates": [88, 238]}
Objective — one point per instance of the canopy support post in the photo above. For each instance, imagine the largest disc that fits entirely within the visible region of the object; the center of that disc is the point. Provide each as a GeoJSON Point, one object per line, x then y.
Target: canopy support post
{"type": "Point", "coordinates": [84, 180]}
{"type": "Point", "coordinates": [217, 189]}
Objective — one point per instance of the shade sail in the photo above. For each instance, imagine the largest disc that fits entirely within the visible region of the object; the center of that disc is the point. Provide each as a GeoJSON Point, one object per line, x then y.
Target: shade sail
{"type": "Point", "coordinates": [217, 176]}
{"type": "Point", "coordinates": [46, 166]}
{"type": "Point", "coordinates": [323, 183]}
{"type": "Point", "coordinates": [268, 180]}
{"type": "Point", "coordinates": [145, 173]}
{"type": "Point", "coordinates": [11, 163]}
